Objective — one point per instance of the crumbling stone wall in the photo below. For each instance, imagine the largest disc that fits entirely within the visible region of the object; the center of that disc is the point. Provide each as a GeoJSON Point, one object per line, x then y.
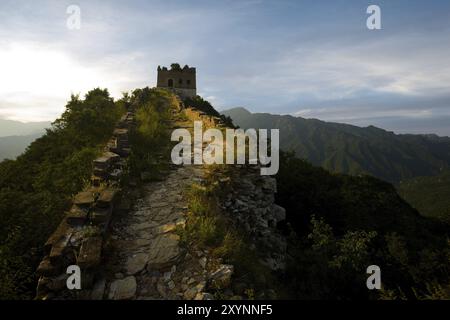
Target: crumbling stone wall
{"type": "Point", "coordinates": [208, 121]}
{"type": "Point", "coordinates": [78, 240]}
{"type": "Point", "coordinates": [251, 203]}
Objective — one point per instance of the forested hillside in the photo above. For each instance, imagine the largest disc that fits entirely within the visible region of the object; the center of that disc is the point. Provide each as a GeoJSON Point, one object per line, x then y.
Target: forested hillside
{"type": "Point", "coordinates": [429, 195]}
{"type": "Point", "coordinates": [336, 224]}
{"type": "Point", "coordinates": [349, 149]}
{"type": "Point", "coordinates": [35, 189]}
{"type": "Point", "coordinates": [342, 224]}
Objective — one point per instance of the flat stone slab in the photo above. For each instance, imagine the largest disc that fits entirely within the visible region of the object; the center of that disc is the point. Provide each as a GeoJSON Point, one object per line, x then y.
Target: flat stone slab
{"type": "Point", "coordinates": [136, 263]}
{"type": "Point", "coordinates": [60, 248]}
{"type": "Point", "coordinates": [47, 269]}
{"type": "Point", "coordinates": [140, 227]}
{"type": "Point", "coordinates": [165, 228]}
{"type": "Point", "coordinates": [106, 158]}
{"type": "Point", "coordinates": [101, 215]}
{"type": "Point", "coordinates": [164, 252]}
{"type": "Point", "coordinates": [84, 199]}
{"type": "Point", "coordinates": [90, 253]}
{"type": "Point", "coordinates": [120, 132]}
{"type": "Point", "coordinates": [63, 229]}
{"type": "Point", "coordinates": [123, 289]}
{"type": "Point", "coordinates": [76, 216]}
{"type": "Point", "coordinates": [106, 198]}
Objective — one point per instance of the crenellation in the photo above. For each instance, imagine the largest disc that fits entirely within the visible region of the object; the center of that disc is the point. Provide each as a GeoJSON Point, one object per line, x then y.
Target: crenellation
{"type": "Point", "coordinates": [182, 81]}
{"type": "Point", "coordinates": [79, 237]}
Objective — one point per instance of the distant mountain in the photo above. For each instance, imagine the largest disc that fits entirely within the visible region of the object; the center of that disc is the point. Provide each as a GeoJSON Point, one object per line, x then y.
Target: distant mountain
{"type": "Point", "coordinates": [350, 149]}
{"type": "Point", "coordinates": [15, 136]}
{"type": "Point", "coordinates": [17, 128]}
{"type": "Point", "coordinates": [11, 147]}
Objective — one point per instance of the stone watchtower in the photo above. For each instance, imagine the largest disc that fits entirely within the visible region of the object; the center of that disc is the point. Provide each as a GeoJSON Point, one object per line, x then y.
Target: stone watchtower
{"type": "Point", "coordinates": [180, 80]}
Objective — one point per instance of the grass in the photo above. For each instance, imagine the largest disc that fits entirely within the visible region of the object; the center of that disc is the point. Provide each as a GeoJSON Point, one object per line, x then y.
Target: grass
{"type": "Point", "coordinates": [209, 228]}
{"type": "Point", "coordinates": [149, 138]}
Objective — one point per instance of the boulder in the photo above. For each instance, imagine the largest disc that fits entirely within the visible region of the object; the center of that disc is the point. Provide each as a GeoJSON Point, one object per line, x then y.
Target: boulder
{"type": "Point", "coordinates": [123, 289]}
{"type": "Point", "coordinates": [136, 263]}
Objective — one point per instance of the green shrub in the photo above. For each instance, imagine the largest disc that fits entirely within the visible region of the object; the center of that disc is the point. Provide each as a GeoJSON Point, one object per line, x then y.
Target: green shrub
{"type": "Point", "coordinates": [36, 188]}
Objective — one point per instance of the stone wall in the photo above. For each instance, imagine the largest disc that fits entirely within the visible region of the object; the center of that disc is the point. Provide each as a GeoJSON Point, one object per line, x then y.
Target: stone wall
{"type": "Point", "coordinates": [251, 203]}
{"type": "Point", "coordinates": [78, 240]}
{"type": "Point", "coordinates": [208, 121]}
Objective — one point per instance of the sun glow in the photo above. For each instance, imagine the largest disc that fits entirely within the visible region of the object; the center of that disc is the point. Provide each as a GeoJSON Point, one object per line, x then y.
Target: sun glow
{"type": "Point", "coordinates": [36, 81]}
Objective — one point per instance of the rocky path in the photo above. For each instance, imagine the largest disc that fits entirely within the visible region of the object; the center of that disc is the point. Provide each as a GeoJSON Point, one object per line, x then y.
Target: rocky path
{"type": "Point", "coordinates": [147, 261]}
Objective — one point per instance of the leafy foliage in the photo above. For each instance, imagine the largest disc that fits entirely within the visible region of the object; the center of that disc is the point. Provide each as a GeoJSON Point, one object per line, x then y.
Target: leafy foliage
{"type": "Point", "coordinates": [36, 188]}
{"type": "Point", "coordinates": [200, 104]}
{"type": "Point", "coordinates": [208, 228]}
{"type": "Point", "coordinates": [149, 139]}
{"type": "Point", "coordinates": [429, 195]}
{"type": "Point", "coordinates": [342, 224]}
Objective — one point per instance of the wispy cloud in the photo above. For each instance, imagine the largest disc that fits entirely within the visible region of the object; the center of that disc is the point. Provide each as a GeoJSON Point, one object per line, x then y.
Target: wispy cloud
{"type": "Point", "coordinates": [309, 58]}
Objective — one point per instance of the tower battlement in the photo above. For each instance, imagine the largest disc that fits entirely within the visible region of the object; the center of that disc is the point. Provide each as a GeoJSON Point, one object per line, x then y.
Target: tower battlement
{"type": "Point", "coordinates": [180, 80]}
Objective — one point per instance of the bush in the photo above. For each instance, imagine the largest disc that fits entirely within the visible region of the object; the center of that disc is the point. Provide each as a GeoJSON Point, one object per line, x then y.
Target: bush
{"type": "Point", "coordinates": [35, 189]}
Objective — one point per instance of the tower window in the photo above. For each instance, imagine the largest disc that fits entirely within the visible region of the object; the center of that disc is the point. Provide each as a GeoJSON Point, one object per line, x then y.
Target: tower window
{"type": "Point", "coordinates": [180, 81]}
{"type": "Point", "coordinates": [188, 82]}
{"type": "Point", "coordinates": [170, 83]}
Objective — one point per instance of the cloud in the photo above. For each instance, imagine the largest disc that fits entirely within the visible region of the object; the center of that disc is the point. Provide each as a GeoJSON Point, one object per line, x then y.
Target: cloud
{"type": "Point", "coordinates": [306, 58]}
{"type": "Point", "coordinates": [36, 80]}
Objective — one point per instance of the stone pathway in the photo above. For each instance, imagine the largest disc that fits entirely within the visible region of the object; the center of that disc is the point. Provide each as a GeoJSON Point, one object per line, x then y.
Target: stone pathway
{"type": "Point", "coordinates": [147, 261]}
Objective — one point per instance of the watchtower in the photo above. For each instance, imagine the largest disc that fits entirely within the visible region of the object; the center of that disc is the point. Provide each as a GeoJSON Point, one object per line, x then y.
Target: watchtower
{"type": "Point", "coordinates": [180, 80]}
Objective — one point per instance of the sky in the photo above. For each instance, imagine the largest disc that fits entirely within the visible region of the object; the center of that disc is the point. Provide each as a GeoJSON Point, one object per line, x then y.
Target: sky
{"type": "Point", "coordinates": [310, 58]}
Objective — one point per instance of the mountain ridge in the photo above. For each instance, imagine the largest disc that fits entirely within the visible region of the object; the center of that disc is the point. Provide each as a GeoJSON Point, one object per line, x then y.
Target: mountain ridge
{"type": "Point", "coordinates": [17, 128]}
{"type": "Point", "coordinates": [351, 149]}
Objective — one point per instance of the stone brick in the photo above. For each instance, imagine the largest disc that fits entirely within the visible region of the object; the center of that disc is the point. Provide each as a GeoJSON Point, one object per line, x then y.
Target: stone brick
{"type": "Point", "coordinates": [90, 253]}
{"type": "Point", "coordinates": [101, 216]}
{"type": "Point", "coordinates": [59, 249]}
{"type": "Point", "coordinates": [47, 269]}
{"type": "Point", "coordinates": [106, 198]}
{"type": "Point", "coordinates": [76, 216]}
{"type": "Point", "coordinates": [84, 199]}
{"type": "Point", "coordinates": [59, 233]}
{"type": "Point", "coordinates": [106, 160]}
